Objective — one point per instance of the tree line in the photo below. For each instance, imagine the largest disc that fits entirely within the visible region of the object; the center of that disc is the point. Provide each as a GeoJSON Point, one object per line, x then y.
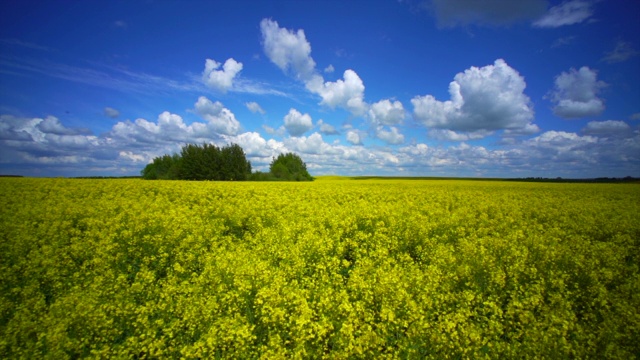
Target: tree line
{"type": "Point", "coordinates": [227, 163]}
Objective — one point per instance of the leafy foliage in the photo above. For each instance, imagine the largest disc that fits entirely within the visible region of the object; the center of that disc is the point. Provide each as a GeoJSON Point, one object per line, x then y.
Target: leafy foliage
{"type": "Point", "coordinates": [164, 168]}
{"type": "Point", "coordinates": [289, 166]}
{"type": "Point", "coordinates": [331, 269]}
{"type": "Point", "coordinates": [206, 162]}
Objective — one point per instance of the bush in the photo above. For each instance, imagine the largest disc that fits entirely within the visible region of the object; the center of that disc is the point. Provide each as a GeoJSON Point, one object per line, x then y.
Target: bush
{"type": "Point", "coordinates": [289, 167]}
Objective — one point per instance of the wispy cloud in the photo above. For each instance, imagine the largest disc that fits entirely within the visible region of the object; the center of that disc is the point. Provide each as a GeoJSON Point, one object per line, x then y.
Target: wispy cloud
{"type": "Point", "coordinates": [622, 52]}
{"type": "Point", "coordinates": [24, 44]}
{"type": "Point", "coordinates": [567, 13]}
{"type": "Point", "coordinates": [111, 112]}
{"type": "Point", "coordinates": [117, 78]}
{"type": "Point", "coordinates": [99, 75]}
{"type": "Point", "coordinates": [256, 87]}
{"type": "Point", "coordinates": [563, 41]}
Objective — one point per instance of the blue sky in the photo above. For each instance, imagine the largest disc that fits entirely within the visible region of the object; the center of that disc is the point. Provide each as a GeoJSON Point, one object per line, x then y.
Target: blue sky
{"type": "Point", "coordinates": [408, 88]}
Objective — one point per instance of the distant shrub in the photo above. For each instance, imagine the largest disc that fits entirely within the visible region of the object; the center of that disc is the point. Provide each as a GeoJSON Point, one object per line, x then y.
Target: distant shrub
{"type": "Point", "coordinates": [289, 167]}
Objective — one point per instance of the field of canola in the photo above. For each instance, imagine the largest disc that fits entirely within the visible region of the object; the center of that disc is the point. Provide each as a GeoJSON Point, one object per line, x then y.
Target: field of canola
{"type": "Point", "coordinates": [331, 269]}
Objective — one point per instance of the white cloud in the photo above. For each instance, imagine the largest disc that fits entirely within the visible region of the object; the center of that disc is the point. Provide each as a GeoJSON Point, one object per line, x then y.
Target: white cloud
{"type": "Point", "coordinates": [219, 118]}
{"type": "Point", "coordinates": [354, 137]}
{"type": "Point", "coordinates": [327, 129]}
{"type": "Point", "coordinates": [296, 123]}
{"type": "Point", "coordinates": [44, 141]}
{"type": "Point", "coordinates": [635, 116]}
{"type": "Point", "coordinates": [385, 112]}
{"type": "Point", "coordinates": [313, 144]}
{"type": "Point", "coordinates": [129, 155]}
{"type": "Point", "coordinates": [169, 128]}
{"type": "Point", "coordinates": [622, 52]}
{"type": "Point", "coordinates": [329, 69]}
{"type": "Point", "coordinates": [221, 80]}
{"type": "Point", "coordinates": [281, 131]}
{"type": "Point", "coordinates": [607, 128]}
{"type": "Point", "coordinates": [287, 49]}
{"type": "Point", "coordinates": [490, 12]}
{"type": "Point", "coordinates": [567, 13]}
{"type": "Point", "coordinates": [256, 147]}
{"type": "Point", "coordinates": [482, 100]}
{"type": "Point", "coordinates": [449, 135]}
{"type": "Point", "coordinates": [129, 145]}
{"type": "Point", "coordinates": [561, 140]}
{"type": "Point", "coordinates": [530, 129]}
{"type": "Point", "coordinates": [291, 52]}
{"type": "Point", "coordinates": [562, 148]}
{"type": "Point", "coordinates": [111, 112]}
{"type": "Point", "coordinates": [254, 107]}
{"type": "Point", "coordinates": [347, 93]}
{"type": "Point", "coordinates": [575, 94]}
{"type": "Point", "coordinates": [392, 137]}
{"type": "Point", "coordinates": [51, 125]}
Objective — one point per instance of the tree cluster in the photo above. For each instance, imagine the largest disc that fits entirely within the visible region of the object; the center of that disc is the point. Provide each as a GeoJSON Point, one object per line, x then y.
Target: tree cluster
{"type": "Point", "coordinates": [289, 167]}
{"type": "Point", "coordinates": [209, 162]}
{"type": "Point", "coordinates": [206, 162]}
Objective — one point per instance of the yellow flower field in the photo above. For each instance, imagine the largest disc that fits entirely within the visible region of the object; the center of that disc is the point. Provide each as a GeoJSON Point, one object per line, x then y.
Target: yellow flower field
{"type": "Point", "coordinates": [330, 269]}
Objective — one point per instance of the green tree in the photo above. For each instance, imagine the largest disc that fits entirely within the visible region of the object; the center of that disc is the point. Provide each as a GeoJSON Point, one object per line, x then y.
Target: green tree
{"type": "Point", "coordinates": [290, 167]}
{"type": "Point", "coordinates": [194, 163]}
{"type": "Point", "coordinates": [206, 162]}
{"type": "Point", "coordinates": [212, 162]}
{"type": "Point", "coordinates": [164, 167]}
{"type": "Point", "coordinates": [234, 163]}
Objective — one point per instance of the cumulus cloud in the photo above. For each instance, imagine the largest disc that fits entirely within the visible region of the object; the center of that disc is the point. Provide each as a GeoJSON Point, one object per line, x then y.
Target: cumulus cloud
{"type": "Point", "coordinates": [51, 146]}
{"type": "Point", "coordinates": [288, 49]}
{"type": "Point", "coordinates": [607, 128]}
{"type": "Point", "coordinates": [219, 118]}
{"type": "Point", "coordinates": [256, 147]}
{"type": "Point", "coordinates": [561, 140]}
{"type": "Point", "coordinates": [482, 100]}
{"type": "Point", "coordinates": [529, 129]}
{"type": "Point", "coordinates": [450, 135]}
{"type": "Point", "coordinates": [221, 80]}
{"type": "Point", "coordinates": [385, 112]}
{"type": "Point", "coordinates": [281, 131]}
{"type": "Point", "coordinates": [167, 129]}
{"type": "Point", "coordinates": [489, 12]}
{"type": "Point", "coordinates": [622, 52]}
{"type": "Point", "coordinates": [254, 107]}
{"type": "Point", "coordinates": [567, 13]}
{"type": "Point", "coordinates": [296, 123]}
{"type": "Point", "coordinates": [291, 52]}
{"type": "Point", "coordinates": [347, 93]}
{"type": "Point", "coordinates": [563, 148]}
{"type": "Point", "coordinates": [327, 129]}
{"type": "Point", "coordinates": [354, 137]}
{"type": "Point", "coordinates": [111, 112]}
{"type": "Point", "coordinates": [329, 69]}
{"type": "Point", "coordinates": [575, 94]}
{"type": "Point", "coordinates": [129, 145]}
{"type": "Point", "coordinates": [313, 144]}
{"type": "Point", "coordinates": [51, 125]}
{"type": "Point", "coordinates": [391, 137]}
{"type": "Point", "coordinates": [39, 141]}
